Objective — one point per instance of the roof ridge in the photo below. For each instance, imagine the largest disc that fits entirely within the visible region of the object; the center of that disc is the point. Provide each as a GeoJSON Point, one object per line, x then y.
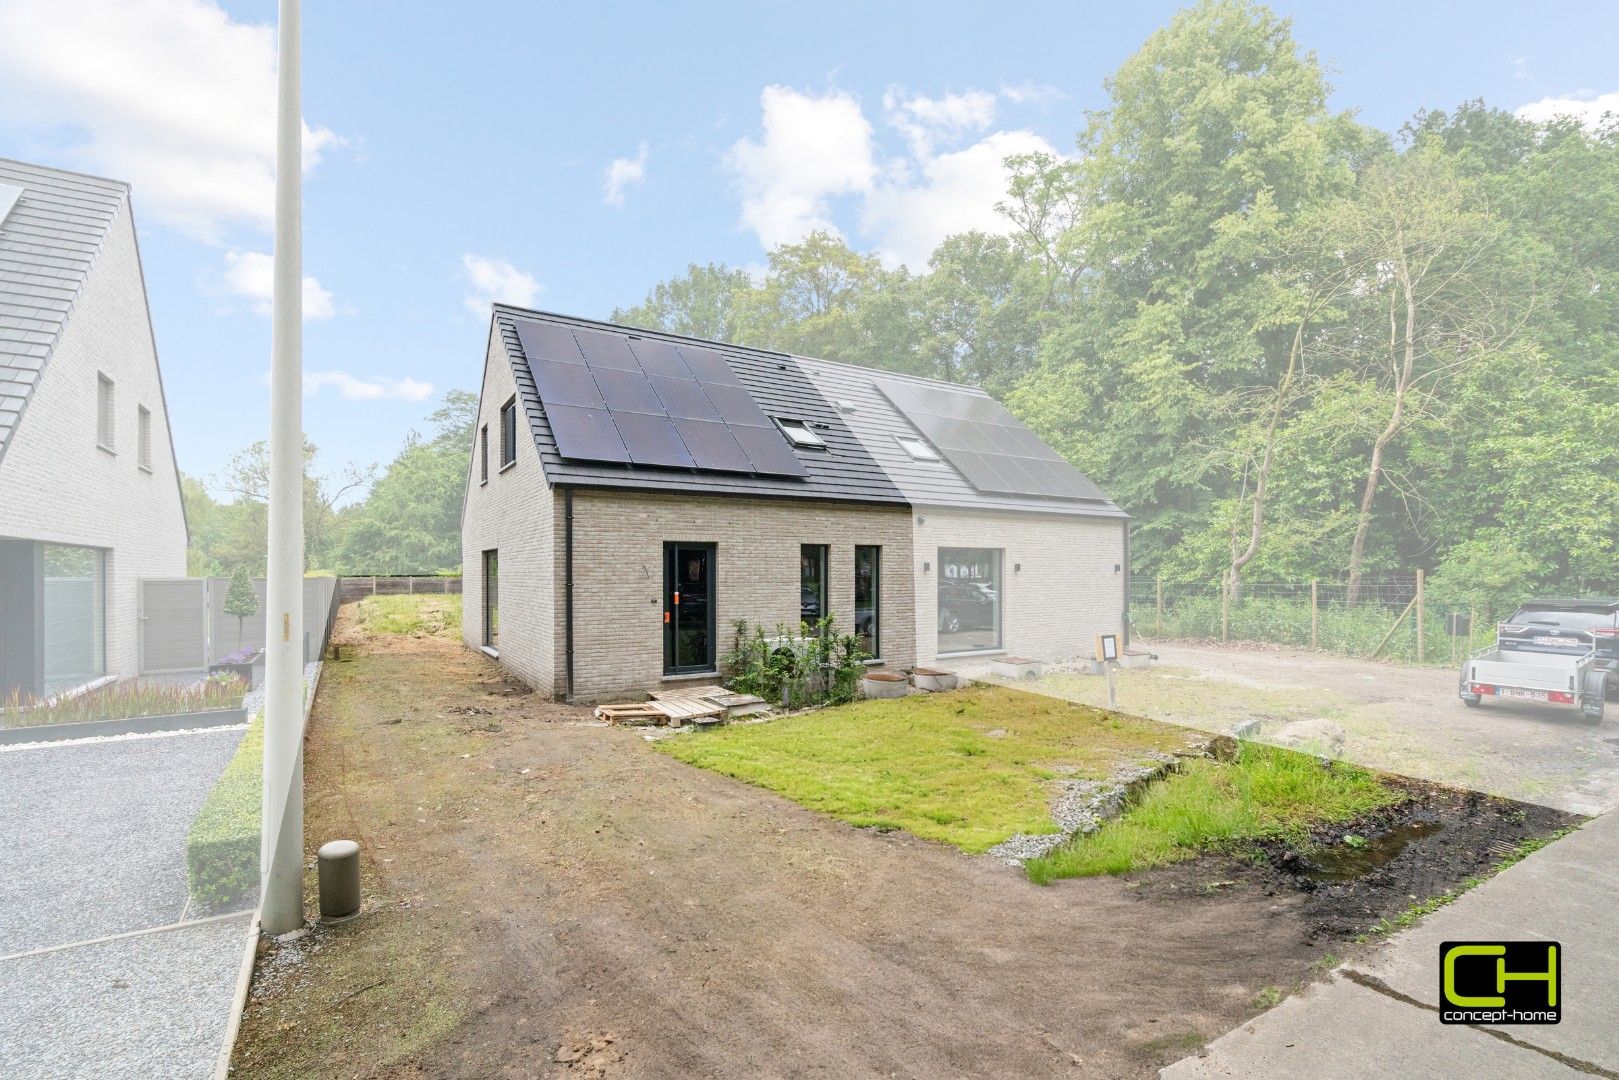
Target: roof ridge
{"type": "Point", "coordinates": [123, 184]}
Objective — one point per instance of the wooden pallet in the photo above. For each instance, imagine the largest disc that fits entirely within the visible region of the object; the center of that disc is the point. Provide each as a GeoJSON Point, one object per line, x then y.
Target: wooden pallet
{"type": "Point", "coordinates": [640, 712]}
{"type": "Point", "coordinates": [681, 709]}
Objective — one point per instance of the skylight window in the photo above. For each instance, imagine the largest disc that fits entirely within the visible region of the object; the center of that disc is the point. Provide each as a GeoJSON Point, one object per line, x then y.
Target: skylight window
{"type": "Point", "coordinates": [798, 433]}
{"type": "Point", "coordinates": [919, 450]}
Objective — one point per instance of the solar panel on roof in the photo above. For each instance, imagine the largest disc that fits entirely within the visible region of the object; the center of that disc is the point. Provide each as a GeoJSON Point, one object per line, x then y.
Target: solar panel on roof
{"type": "Point", "coordinates": [713, 446]}
{"type": "Point", "coordinates": [627, 391]}
{"type": "Point", "coordinates": [768, 451]}
{"type": "Point", "coordinates": [647, 402]}
{"type": "Point", "coordinates": [586, 434]}
{"type": "Point", "coordinates": [652, 440]}
{"type": "Point", "coordinates": [565, 384]}
{"type": "Point", "coordinates": [548, 341]}
{"type": "Point", "coordinates": [986, 443]}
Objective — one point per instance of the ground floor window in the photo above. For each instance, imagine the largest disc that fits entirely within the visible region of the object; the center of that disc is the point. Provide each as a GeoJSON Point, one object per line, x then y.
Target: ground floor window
{"type": "Point", "coordinates": [867, 591]}
{"type": "Point", "coordinates": [75, 611]}
{"type": "Point", "coordinates": [969, 599]}
{"type": "Point", "coordinates": [812, 607]}
{"type": "Point", "coordinates": [491, 598]}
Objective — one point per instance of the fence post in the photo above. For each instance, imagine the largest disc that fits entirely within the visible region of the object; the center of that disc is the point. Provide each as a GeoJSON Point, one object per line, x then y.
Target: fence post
{"type": "Point", "coordinates": [1315, 613]}
{"type": "Point", "coordinates": [1471, 629]}
{"type": "Point", "coordinates": [1225, 606]}
{"type": "Point", "coordinates": [1422, 614]}
{"type": "Point", "coordinates": [1158, 626]}
{"type": "Point", "coordinates": [373, 584]}
{"type": "Point", "coordinates": [410, 585]}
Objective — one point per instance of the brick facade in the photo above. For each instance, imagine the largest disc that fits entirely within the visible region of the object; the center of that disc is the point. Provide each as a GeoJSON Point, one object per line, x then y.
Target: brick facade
{"type": "Point", "coordinates": [1066, 592]}
{"type": "Point", "coordinates": [59, 487]}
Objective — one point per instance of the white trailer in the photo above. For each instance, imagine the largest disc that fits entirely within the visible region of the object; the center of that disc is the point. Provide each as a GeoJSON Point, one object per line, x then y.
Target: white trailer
{"type": "Point", "coordinates": [1579, 681]}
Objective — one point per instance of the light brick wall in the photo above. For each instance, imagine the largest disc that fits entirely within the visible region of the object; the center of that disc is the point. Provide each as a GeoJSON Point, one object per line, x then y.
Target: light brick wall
{"type": "Point", "coordinates": [618, 575]}
{"type": "Point", "coordinates": [1066, 593]}
{"type": "Point", "coordinates": [57, 486]}
{"type": "Point", "coordinates": [513, 515]}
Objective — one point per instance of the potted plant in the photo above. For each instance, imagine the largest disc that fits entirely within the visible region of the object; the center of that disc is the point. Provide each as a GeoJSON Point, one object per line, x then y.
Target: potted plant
{"type": "Point", "coordinates": [239, 663]}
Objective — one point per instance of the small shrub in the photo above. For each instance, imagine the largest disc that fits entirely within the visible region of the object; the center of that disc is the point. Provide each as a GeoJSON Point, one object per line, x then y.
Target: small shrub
{"type": "Point", "coordinates": [222, 847]}
{"type": "Point", "coordinates": [123, 701]}
{"type": "Point", "coordinates": [812, 666]}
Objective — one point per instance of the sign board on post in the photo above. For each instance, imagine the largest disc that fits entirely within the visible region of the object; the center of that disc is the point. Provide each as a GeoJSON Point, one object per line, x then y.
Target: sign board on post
{"type": "Point", "coordinates": [1107, 646]}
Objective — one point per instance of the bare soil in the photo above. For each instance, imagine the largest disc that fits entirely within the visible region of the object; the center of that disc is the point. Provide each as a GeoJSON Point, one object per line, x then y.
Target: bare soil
{"type": "Point", "coordinates": [547, 897]}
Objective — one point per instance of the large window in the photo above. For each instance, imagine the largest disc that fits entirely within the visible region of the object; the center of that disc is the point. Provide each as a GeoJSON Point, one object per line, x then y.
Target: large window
{"type": "Point", "coordinates": [508, 434]}
{"type": "Point", "coordinates": [969, 599]}
{"type": "Point", "coordinates": [812, 583]}
{"type": "Point", "coordinates": [75, 629]}
{"type": "Point", "coordinates": [868, 565]}
{"type": "Point", "coordinates": [491, 599]}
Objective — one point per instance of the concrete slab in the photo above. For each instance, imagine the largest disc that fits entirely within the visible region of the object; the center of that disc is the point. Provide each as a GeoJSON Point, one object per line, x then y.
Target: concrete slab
{"type": "Point", "coordinates": [1341, 1029]}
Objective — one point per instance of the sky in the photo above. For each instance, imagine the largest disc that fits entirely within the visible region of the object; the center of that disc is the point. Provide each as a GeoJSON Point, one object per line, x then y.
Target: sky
{"type": "Point", "coordinates": [570, 156]}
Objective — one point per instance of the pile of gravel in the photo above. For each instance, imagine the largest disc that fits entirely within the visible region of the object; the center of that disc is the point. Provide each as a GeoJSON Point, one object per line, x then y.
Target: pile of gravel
{"type": "Point", "coordinates": [1081, 806]}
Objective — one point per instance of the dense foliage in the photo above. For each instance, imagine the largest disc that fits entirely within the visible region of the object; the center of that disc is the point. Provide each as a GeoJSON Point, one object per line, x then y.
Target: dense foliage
{"type": "Point", "coordinates": [1292, 346]}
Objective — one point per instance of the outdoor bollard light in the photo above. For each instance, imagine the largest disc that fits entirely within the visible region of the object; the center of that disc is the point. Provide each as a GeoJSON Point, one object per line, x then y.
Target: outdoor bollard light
{"type": "Point", "coordinates": [339, 875]}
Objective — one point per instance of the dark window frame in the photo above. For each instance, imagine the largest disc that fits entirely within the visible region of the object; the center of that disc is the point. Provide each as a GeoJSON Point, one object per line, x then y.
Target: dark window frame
{"type": "Point", "coordinates": [800, 433]}
{"type": "Point", "coordinates": [508, 434]}
{"type": "Point", "coordinates": [491, 612]}
{"type": "Point", "coordinates": [822, 554]}
{"type": "Point", "coordinates": [671, 581]}
{"type": "Point", "coordinates": [876, 555]}
{"type": "Point", "coordinates": [483, 454]}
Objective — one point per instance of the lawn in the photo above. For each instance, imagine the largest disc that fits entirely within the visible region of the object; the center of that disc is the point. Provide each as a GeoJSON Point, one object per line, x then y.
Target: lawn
{"type": "Point", "coordinates": [437, 616]}
{"type": "Point", "coordinates": [1265, 793]}
{"type": "Point", "coordinates": [970, 768]}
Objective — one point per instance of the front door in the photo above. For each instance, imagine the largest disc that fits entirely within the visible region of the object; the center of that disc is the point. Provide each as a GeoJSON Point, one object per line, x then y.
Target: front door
{"type": "Point", "coordinates": [688, 612]}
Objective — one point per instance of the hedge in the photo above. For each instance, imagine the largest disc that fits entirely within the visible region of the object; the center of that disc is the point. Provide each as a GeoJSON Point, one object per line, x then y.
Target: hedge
{"type": "Point", "coordinates": [222, 848]}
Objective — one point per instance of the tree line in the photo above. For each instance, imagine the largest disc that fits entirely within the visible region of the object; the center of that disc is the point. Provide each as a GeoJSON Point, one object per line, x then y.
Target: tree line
{"type": "Point", "coordinates": [1291, 345]}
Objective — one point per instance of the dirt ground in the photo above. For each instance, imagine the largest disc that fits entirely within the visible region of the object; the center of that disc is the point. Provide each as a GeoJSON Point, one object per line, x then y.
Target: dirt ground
{"type": "Point", "coordinates": [1398, 718]}
{"type": "Point", "coordinates": [548, 897]}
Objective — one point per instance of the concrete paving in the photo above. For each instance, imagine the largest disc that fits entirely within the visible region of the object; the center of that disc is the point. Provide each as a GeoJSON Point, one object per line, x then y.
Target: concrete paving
{"type": "Point", "coordinates": [1378, 1016]}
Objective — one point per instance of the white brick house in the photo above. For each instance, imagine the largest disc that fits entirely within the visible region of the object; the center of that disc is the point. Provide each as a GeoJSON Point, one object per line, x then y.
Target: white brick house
{"type": "Point", "coordinates": [630, 494]}
{"type": "Point", "coordinates": [89, 491]}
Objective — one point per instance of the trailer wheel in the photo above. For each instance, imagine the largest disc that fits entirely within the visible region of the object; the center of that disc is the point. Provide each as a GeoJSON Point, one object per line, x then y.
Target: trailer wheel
{"type": "Point", "coordinates": [1472, 701]}
{"type": "Point", "coordinates": [1595, 696]}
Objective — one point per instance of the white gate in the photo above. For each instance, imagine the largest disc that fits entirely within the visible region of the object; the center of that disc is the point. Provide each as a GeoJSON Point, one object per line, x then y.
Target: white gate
{"type": "Point", "coordinates": [174, 624]}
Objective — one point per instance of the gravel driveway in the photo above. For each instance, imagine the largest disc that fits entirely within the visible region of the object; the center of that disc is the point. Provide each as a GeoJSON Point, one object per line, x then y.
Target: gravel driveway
{"type": "Point", "coordinates": [1406, 720]}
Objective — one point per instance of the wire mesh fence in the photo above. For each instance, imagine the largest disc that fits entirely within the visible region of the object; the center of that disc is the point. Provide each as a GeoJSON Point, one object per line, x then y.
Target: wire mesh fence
{"type": "Point", "coordinates": [1392, 618]}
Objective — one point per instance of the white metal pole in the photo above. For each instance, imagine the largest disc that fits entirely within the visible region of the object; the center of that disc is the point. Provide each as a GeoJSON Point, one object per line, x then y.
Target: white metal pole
{"type": "Point", "coordinates": [282, 842]}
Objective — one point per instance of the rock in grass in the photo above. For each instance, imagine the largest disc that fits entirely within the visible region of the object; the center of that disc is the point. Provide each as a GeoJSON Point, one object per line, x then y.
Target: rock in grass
{"type": "Point", "coordinates": [1322, 738]}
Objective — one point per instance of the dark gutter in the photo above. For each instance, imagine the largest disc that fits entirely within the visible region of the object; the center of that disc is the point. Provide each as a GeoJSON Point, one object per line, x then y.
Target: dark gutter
{"type": "Point", "coordinates": [567, 582]}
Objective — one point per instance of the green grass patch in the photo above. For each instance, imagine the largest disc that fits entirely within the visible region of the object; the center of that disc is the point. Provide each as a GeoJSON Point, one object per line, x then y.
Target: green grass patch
{"type": "Point", "coordinates": [222, 848]}
{"type": "Point", "coordinates": [970, 768]}
{"type": "Point", "coordinates": [439, 616]}
{"type": "Point", "coordinates": [1265, 793]}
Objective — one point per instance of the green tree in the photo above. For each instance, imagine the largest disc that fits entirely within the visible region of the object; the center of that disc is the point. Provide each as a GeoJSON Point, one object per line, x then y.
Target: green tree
{"type": "Point", "coordinates": [240, 599]}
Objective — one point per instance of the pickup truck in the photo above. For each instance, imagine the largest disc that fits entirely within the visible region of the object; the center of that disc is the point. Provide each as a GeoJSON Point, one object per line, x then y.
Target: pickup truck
{"type": "Point", "coordinates": [1555, 651]}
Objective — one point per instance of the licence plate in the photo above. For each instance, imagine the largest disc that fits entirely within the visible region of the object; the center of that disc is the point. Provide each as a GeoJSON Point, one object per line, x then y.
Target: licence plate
{"type": "Point", "coordinates": [1565, 642]}
{"type": "Point", "coordinates": [1523, 695]}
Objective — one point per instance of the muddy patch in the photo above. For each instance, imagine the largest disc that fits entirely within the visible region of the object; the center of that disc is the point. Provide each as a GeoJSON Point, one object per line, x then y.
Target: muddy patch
{"type": "Point", "coordinates": [1353, 876]}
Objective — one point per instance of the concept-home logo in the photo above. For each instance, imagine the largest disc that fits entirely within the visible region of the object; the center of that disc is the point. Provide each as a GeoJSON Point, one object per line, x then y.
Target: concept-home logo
{"type": "Point", "coordinates": [1500, 982]}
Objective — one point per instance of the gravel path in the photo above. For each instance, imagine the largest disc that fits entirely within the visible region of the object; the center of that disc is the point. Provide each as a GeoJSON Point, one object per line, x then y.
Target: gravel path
{"type": "Point", "coordinates": [95, 834]}
{"type": "Point", "coordinates": [153, 1006]}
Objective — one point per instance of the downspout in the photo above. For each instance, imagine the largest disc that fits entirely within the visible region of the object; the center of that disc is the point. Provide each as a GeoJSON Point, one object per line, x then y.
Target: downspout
{"type": "Point", "coordinates": [567, 583]}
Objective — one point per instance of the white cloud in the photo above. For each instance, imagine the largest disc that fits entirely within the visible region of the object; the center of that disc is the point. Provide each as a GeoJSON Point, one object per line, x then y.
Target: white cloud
{"type": "Point", "coordinates": [251, 275]}
{"type": "Point", "coordinates": [1586, 107]}
{"type": "Point", "coordinates": [911, 215]}
{"type": "Point", "coordinates": [621, 174]}
{"type": "Point", "coordinates": [813, 148]}
{"type": "Point", "coordinates": [819, 153]}
{"type": "Point", "coordinates": [494, 279]}
{"type": "Point", "coordinates": [373, 388]}
{"type": "Point", "coordinates": [172, 95]}
{"type": "Point", "coordinates": [924, 120]}
{"type": "Point", "coordinates": [1031, 93]}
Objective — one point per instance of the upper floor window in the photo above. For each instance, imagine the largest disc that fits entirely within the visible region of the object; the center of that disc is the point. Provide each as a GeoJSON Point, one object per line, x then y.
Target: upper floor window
{"type": "Point", "coordinates": [105, 404]}
{"type": "Point", "coordinates": [508, 433]}
{"type": "Point", "coordinates": [799, 433]}
{"type": "Point", "coordinates": [919, 450]}
{"type": "Point", "coordinates": [483, 454]}
{"type": "Point", "coordinates": [143, 438]}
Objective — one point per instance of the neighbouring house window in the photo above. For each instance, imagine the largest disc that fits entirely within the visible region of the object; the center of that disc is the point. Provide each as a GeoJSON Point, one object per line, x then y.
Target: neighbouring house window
{"type": "Point", "coordinates": [969, 599]}
{"type": "Point", "coordinates": [868, 565]}
{"type": "Point", "coordinates": [812, 583]}
{"type": "Point", "coordinates": [508, 433]}
{"type": "Point", "coordinates": [919, 450]}
{"type": "Point", "coordinates": [143, 434]}
{"type": "Point", "coordinates": [800, 434]}
{"type": "Point", "coordinates": [104, 413]}
{"type": "Point", "coordinates": [491, 598]}
{"type": "Point", "coordinates": [483, 454]}
{"type": "Point", "coordinates": [75, 624]}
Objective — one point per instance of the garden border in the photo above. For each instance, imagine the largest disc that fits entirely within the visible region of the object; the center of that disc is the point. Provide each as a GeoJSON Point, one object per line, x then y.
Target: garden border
{"type": "Point", "coordinates": [136, 725]}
